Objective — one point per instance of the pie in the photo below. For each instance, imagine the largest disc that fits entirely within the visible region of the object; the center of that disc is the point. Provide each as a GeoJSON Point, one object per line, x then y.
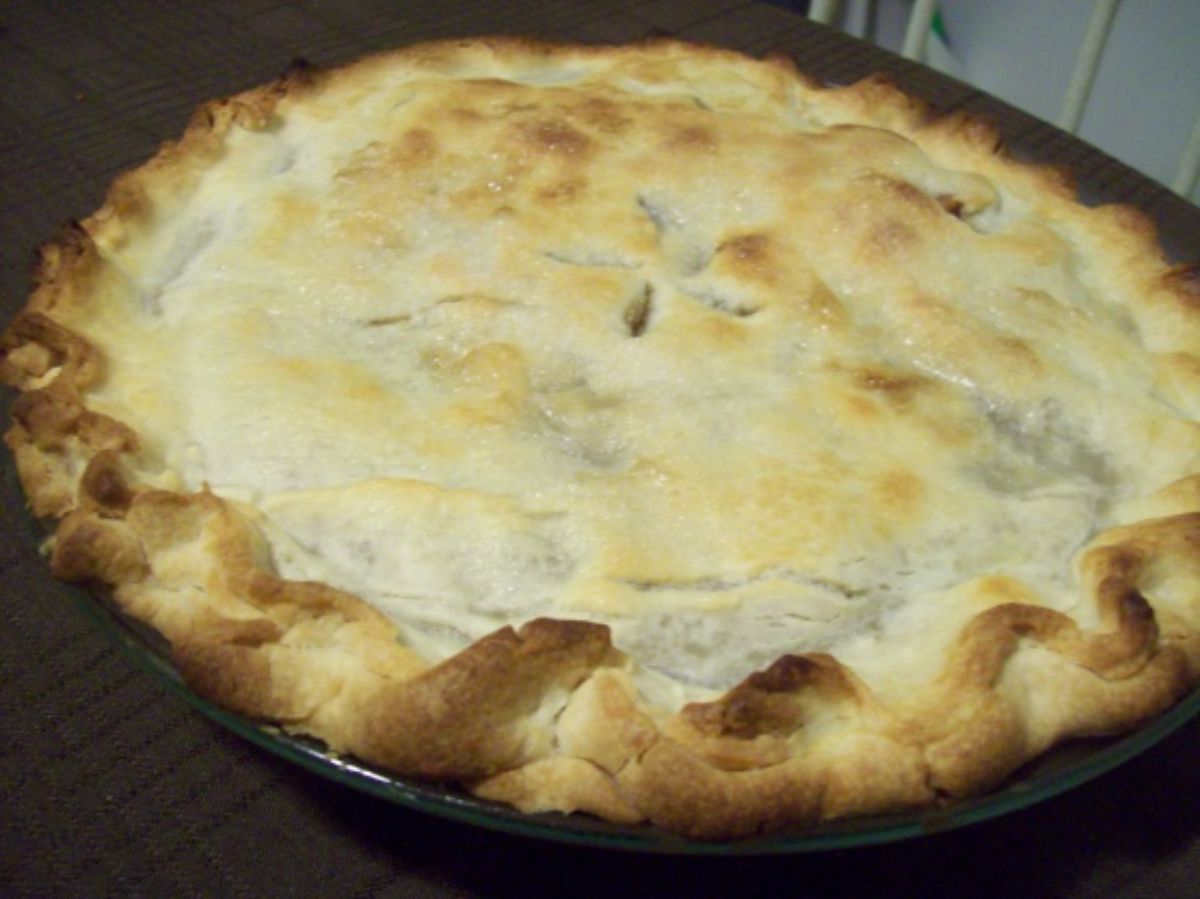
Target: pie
{"type": "Point", "coordinates": [648, 432]}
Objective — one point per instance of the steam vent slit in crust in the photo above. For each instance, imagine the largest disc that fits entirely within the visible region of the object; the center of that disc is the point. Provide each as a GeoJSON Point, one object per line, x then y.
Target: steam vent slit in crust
{"type": "Point", "coordinates": [649, 432]}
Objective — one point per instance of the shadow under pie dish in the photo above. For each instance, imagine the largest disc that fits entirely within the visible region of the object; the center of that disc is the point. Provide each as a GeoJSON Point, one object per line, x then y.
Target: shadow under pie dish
{"type": "Point", "coordinates": [648, 432]}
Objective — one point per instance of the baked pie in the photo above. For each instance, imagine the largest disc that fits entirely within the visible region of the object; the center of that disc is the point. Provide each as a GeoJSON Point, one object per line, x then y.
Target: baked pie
{"type": "Point", "coordinates": [644, 431]}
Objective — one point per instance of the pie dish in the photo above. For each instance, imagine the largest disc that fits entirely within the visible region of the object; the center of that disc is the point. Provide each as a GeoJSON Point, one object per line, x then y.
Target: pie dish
{"type": "Point", "coordinates": [648, 432]}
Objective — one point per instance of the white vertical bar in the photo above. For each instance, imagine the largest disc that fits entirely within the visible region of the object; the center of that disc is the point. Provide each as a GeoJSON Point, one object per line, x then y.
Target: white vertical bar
{"type": "Point", "coordinates": [857, 18]}
{"type": "Point", "coordinates": [1189, 164]}
{"type": "Point", "coordinates": [824, 11]}
{"type": "Point", "coordinates": [1086, 64]}
{"type": "Point", "coordinates": [917, 33]}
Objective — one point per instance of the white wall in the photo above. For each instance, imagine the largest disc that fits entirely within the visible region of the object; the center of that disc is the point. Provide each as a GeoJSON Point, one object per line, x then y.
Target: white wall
{"type": "Point", "coordinates": [1147, 93]}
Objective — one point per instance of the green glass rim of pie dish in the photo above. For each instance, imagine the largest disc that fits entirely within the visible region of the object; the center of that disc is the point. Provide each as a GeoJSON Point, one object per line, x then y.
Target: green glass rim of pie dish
{"type": "Point", "coordinates": [1063, 768]}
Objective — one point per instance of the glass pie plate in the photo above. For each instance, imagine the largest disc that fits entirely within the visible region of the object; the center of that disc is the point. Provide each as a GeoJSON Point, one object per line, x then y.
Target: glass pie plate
{"type": "Point", "coordinates": [1063, 768]}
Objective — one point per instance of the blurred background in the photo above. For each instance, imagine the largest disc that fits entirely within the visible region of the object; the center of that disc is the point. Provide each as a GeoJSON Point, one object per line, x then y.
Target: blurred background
{"type": "Point", "coordinates": [1143, 105]}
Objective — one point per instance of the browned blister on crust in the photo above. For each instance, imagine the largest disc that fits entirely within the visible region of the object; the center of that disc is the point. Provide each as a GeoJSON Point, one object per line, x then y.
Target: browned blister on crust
{"type": "Point", "coordinates": [953, 375]}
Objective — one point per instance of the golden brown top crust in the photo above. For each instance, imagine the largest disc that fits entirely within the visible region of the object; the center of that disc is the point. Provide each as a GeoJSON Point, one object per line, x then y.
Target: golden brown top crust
{"type": "Point", "coordinates": [647, 431]}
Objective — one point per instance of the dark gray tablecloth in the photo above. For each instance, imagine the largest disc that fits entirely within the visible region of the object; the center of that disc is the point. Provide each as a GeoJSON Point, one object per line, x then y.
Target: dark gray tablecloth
{"type": "Point", "coordinates": [109, 783]}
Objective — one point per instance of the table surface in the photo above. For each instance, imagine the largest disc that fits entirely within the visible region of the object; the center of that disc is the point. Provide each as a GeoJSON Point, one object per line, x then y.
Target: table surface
{"type": "Point", "coordinates": [109, 783]}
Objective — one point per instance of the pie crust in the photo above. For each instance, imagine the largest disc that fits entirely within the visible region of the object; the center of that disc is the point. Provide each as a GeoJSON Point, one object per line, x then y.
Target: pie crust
{"type": "Point", "coordinates": [644, 431]}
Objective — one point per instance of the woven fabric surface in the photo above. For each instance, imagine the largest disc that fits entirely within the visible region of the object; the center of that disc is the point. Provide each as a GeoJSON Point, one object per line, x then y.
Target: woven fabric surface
{"type": "Point", "coordinates": [110, 784]}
